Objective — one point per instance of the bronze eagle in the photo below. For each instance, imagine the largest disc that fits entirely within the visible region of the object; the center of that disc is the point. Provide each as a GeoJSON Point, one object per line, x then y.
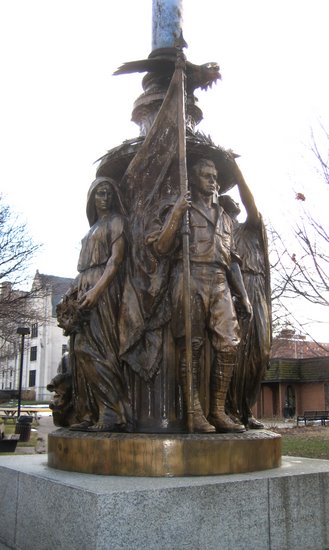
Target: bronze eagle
{"type": "Point", "coordinates": [198, 76]}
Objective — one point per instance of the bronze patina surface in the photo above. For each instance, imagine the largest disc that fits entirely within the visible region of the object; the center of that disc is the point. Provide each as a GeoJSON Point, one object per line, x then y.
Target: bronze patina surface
{"type": "Point", "coordinates": [163, 455]}
{"type": "Point", "coordinates": [169, 315]}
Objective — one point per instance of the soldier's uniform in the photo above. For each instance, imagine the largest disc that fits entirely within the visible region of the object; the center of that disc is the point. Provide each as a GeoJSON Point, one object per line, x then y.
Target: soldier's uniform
{"type": "Point", "coordinates": [211, 249]}
{"type": "Point", "coordinates": [212, 309]}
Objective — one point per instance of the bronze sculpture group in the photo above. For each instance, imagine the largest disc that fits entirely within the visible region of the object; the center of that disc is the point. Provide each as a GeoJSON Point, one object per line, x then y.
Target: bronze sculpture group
{"type": "Point", "coordinates": [131, 366]}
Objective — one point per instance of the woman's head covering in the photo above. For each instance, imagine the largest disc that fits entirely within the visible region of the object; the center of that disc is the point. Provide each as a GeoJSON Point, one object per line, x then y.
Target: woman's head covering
{"type": "Point", "coordinates": [91, 208]}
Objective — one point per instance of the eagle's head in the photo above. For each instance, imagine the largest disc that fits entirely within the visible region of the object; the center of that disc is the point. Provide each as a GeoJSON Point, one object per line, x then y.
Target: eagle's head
{"type": "Point", "coordinates": [209, 73]}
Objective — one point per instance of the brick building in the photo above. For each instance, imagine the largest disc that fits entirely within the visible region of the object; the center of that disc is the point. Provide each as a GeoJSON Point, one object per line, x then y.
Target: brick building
{"type": "Point", "coordinates": [298, 378]}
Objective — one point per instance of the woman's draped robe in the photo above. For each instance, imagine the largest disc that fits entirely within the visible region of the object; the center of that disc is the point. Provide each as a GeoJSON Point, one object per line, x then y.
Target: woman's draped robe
{"type": "Point", "coordinates": [99, 389]}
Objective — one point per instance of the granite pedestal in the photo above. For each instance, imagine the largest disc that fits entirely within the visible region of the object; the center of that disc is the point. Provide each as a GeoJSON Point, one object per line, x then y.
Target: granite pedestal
{"type": "Point", "coordinates": [42, 508]}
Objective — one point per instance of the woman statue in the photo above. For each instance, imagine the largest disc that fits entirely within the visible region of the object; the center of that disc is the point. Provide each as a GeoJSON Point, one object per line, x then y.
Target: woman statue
{"type": "Point", "coordinates": [99, 392]}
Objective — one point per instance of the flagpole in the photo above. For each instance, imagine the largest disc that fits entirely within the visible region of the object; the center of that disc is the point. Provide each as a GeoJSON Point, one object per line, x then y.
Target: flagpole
{"type": "Point", "coordinates": [183, 181]}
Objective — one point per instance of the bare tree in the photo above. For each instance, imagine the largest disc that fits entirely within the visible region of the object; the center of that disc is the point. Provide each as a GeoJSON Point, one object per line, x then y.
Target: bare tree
{"type": "Point", "coordinates": [300, 265]}
{"type": "Point", "coordinates": [16, 252]}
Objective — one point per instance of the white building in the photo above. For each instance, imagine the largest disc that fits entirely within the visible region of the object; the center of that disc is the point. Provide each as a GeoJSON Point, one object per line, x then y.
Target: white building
{"type": "Point", "coordinates": [44, 346]}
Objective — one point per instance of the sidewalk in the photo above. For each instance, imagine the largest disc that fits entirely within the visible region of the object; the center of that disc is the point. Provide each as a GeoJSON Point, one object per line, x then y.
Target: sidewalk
{"type": "Point", "coordinates": [279, 423]}
{"type": "Point", "coordinates": [46, 426]}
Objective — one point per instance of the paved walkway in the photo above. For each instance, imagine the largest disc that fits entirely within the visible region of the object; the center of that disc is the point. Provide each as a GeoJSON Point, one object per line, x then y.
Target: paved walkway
{"type": "Point", "coordinates": [46, 426]}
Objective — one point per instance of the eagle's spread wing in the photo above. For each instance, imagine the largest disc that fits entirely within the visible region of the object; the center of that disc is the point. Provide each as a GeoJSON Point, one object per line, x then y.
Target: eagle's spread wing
{"type": "Point", "coordinates": [198, 76]}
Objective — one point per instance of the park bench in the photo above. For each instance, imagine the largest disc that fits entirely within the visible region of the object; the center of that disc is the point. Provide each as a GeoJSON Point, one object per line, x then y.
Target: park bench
{"type": "Point", "coordinates": [311, 416]}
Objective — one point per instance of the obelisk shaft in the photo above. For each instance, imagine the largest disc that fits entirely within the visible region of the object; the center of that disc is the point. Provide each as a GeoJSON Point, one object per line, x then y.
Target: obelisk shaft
{"type": "Point", "coordinates": [167, 22]}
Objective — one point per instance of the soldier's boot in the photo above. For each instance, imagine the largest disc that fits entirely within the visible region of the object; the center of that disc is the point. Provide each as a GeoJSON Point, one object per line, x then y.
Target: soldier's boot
{"type": "Point", "coordinates": [201, 424]}
{"type": "Point", "coordinates": [220, 378]}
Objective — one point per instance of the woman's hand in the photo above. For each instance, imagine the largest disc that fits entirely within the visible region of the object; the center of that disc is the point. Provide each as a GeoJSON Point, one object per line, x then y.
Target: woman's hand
{"type": "Point", "coordinates": [89, 299]}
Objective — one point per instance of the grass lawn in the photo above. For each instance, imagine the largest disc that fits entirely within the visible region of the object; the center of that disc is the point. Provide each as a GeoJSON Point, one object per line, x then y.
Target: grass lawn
{"type": "Point", "coordinates": [309, 441]}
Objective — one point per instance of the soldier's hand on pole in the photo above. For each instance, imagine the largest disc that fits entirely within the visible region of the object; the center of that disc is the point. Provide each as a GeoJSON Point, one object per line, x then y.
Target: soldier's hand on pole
{"type": "Point", "coordinates": [183, 203]}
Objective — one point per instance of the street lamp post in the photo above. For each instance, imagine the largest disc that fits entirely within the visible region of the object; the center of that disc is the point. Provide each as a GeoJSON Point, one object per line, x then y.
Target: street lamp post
{"type": "Point", "coordinates": [23, 331]}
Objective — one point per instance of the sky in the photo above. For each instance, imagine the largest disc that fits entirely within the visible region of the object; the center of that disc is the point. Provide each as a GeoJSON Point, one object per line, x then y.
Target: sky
{"type": "Point", "coordinates": [61, 108]}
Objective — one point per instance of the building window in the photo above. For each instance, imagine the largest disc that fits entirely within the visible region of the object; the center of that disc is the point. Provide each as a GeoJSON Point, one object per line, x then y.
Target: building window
{"type": "Point", "coordinates": [34, 330]}
{"type": "Point", "coordinates": [32, 378]}
{"type": "Point", "coordinates": [33, 353]}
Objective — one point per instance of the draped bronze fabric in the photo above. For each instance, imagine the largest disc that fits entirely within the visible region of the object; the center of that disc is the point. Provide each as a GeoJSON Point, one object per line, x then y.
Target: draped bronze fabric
{"type": "Point", "coordinates": [254, 353]}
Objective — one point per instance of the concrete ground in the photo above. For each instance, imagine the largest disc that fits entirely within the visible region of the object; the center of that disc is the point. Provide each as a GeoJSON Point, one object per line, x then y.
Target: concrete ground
{"type": "Point", "coordinates": [46, 426]}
